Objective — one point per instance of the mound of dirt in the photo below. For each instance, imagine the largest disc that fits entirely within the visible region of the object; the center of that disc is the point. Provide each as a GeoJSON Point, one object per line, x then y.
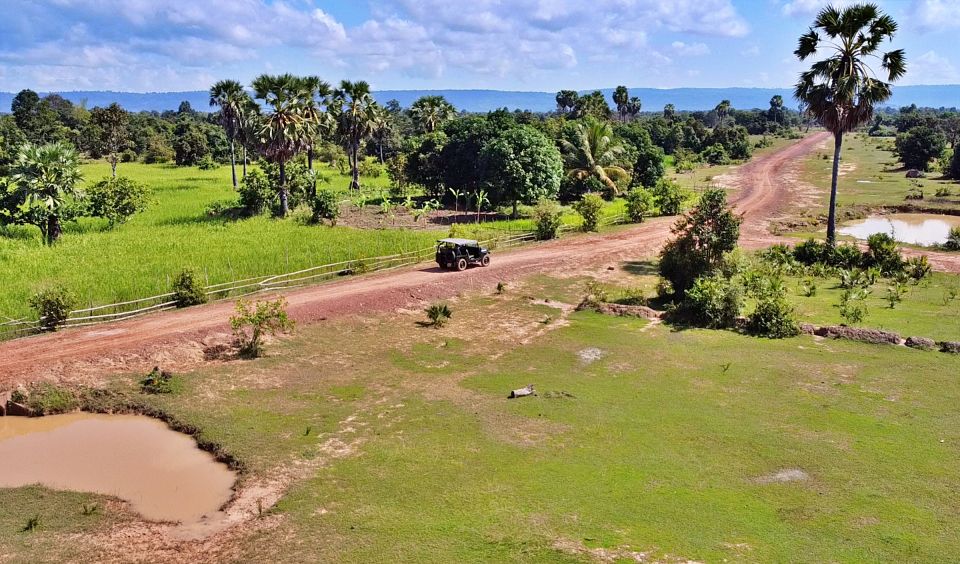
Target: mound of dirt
{"type": "Point", "coordinates": [875, 336]}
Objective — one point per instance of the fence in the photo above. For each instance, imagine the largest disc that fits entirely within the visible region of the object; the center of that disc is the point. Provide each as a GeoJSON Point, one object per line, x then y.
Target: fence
{"type": "Point", "coordinates": [239, 288]}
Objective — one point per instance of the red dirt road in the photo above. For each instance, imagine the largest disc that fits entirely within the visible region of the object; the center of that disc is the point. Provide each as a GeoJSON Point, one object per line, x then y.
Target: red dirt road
{"type": "Point", "coordinates": [138, 344]}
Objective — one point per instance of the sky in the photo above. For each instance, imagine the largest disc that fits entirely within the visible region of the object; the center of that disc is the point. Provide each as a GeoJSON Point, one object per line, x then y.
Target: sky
{"type": "Point", "coordinates": [539, 45]}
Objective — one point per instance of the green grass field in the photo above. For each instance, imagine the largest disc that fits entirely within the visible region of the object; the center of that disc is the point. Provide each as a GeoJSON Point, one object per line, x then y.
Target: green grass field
{"type": "Point", "coordinates": [673, 443]}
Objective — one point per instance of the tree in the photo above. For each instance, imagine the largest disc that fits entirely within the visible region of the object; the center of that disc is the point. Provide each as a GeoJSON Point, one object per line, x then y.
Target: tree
{"type": "Point", "coordinates": [315, 95]}
{"type": "Point", "coordinates": [116, 199]}
{"type": "Point", "coordinates": [633, 107]}
{"type": "Point", "coordinates": [567, 101]}
{"type": "Point", "coordinates": [669, 112]}
{"type": "Point", "coordinates": [230, 97]}
{"type": "Point", "coordinates": [353, 110]}
{"type": "Point", "coordinates": [523, 166]}
{"type": "Point", "coordinates": [591, 153]}
{"type": "Point", "coordinates": [189, 143]}
{"type": "Point", "coordinates": [429, 113]}
{"type": "Point", "coordinates": [592, 105]}
{"type": "Point", "coordinates": [46, 177]}
{"type": "Point", "coordinates": [621, 99]}
{"type": "Point", "coordinates": [35, 118]}
{"type": "Point", "coordinates": [920, 145]}
{"type": "Point", "coordinates": [112, 137]}
{"type": "Point", "coordinates": [701, 238]}
{"type": "Point", "coordinates": [281, 132]}
{"type": "Point", "coordinates": [776, 109]}
{"type": "Point", "coordinates": [381, 129]}
{"type": "Point", "coordinates": [648, 167]}
{"type": "Point", "coordinates": [722, 110]}
{"type": "Point", "coordinates": [841, 91]}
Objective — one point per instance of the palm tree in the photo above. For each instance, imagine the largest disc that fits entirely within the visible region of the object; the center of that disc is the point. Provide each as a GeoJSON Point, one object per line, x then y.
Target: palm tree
{"type": "Point", "coordinates": [593, 152]}
{"type": "Point", "coordinates": [315, 95]}
{"type": "Point", "coordinates": [430, 112]}
{"type": "Point", "coordinates": [633, 107]}
{"type": "Point", "coordinates": [567, 101]}
{"type": "Point", "coordinates": [669, 112]}
{"type": "Point", "coordinates": [621, 97]}
{"type": "Point", "coordinates": [353, 109]}
{"type": "Point", "coordinates": [47, 175]}
{"type": "Point", "coordinates": [230, 97]}
{"type": "Point", "coordinates": [249, 132]}
{"type": "Point", "coordinates": [776, 108]}
{"type": "Point", "coordinates": [381, 127]}
{"type": "Point", "coordinates": [722, 109]}
{"type": "Point", "coordinates": [282, 131]}
{"type": "Point", "coordinates": [841, 90]}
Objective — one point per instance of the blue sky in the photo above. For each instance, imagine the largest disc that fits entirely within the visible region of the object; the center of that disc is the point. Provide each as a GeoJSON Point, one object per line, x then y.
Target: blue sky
{"type": "Point", "coordinates": [545, 45]}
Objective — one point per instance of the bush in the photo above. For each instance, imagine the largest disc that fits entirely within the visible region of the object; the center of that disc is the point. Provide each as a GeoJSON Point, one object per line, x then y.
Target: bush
{"type": "Point", "coordinates": [773, 316]}
{"type": "Point", "coordinates": [263, 317]}
{"type": "Point", "coordinates": [715, 154]}
{"type": "Point", "coordinates": [187, 290]}
{"type": "Point", "coordinates": [920, 145]}
{"type": "Point", "coordinates": [918, 268]}
{"type": "Point", "coordinates": [589, 207]}
{"type": "Point", "coordinates": [713, 301]}
{"type": "Point", "coordinates": [47, 399]}
{"type": "Point", "coordinates": [669, 197]}
{"type": "Point", "coordinates": [953, 240]}
{"type": "Point", "coordinates": [438, 314]}
{"type": "Point", "coordinates": [207, 163]}
{"type": "Point", "coordinates": [370, 169]}
{"type": "Point", "coordinates": [883, 253]}
{"type": "Point", "coordinates": [811, 252]}
{"type": "Point", "coordinates": [53, 306]}
{"type": "Point", "coordinates": [853, 307]}
{"type": "Point", "coordinates": [159, 382]}
{"type": "Point", "coordinates": [701, 238]}
{"type": "Point", "coordinates": [780, 256]}
{"type": "Point", "coordinates": [256, 194]}
{"type": "Point", "coordinates": [846, 255]}
{"type": "Point", "coordinates": [547, 217]}
{"type": "Point", "coordinates": [326, 205]}
{"type": "Point", "coordinates": [116, 199]}
{"type": "Point", "coordinates": [639, 204]}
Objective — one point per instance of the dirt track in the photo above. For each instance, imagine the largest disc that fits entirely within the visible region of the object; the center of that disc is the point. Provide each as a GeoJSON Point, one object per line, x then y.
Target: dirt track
{"type": "Point", "coordinates": [180, 337]}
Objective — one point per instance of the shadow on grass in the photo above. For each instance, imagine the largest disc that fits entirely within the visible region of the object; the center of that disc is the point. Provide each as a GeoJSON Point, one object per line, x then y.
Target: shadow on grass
{"type": "Point", "coordinates": [641, 268]}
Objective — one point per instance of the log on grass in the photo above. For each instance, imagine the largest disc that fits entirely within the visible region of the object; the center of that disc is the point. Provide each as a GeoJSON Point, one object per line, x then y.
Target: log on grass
{"type": "Point", "coordinates": [522, 392]}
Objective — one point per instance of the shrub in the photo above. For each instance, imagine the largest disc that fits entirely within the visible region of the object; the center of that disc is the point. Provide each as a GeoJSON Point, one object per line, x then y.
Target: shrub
{"type": "Point", "coordinates": [883, 253]}
{"type": "Point", "coordinates": [715, 154]}
{"type": "Point", "coordinates": [370, 169]}
{"type": "Point", "coordinates": [853, 307]}
{"type": "Point", "coordinates": [263, 317]}
{"type": "Point", "coordinates": [116, 199]}
{"type": "Point", "coordinates": [713, 301]}
{"type": "Point", "coordinates": [811, 252]}
{"type": "Point", "coordinates": [256, 194]}
{"type": "Point", "coordinates": [589, 208]}
{"type": "Point", "coordinates": [207, 163]}
{"type": "Point", "coordinates": [53, 306]}
{"type": "Point", "coordinates": [943, 192]}
{"type": "Point", "coordinates": [639, 204]}
{"type": "Point", "coordinates": [780, 256]}
{"type": "Point", "coordinates": [918, 268]}
{"type": "Point", "coordinates": [895, 293]}
{"type": "Point", "coordinates": [438, 314]}
{"type": "Point", "coordinates": [668, 196]}
{"type": "Point", "coordinates": [326, 205]}
{"type": "Point", "coordinates": [846, 255]}
{"type": "Point", "coordinates": [547, 216]}
{"type": "Point", "coordinates": [47, 399]}
{"type": "Point", "coordinates": [808, 287]}
{"type": "Point", "coordinates": [773, 316]}
{"type": "Point", "coordinates": [701, 238]}
{"type": "Point", "coordinates": [159, 382]}
{"type": "Point", "coordinates": [953, 240]}
{"type": "Point", "coordinates": [187, 290]}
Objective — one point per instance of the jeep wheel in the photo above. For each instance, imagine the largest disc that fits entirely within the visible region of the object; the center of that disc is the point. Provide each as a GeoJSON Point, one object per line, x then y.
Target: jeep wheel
{"type": "Point", "coordinates": [462, 264]}
{"type": "Point", "coordinates": [485, 261]}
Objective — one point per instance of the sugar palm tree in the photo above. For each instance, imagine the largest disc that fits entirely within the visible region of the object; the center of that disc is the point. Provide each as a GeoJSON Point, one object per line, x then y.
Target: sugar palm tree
{"type": "Point", "coordinates": [381, 127]}
{"type": "Point", "coordinates": [592, 153]}
{"type": "Point", "coordinates": [776, 108]}
{"type": "Point", "coordinates": [841, 90]}
{"type": "Point", "coordinates": [431, 112]}
{"type": "Point", "coordinates": [249, 132]}
{"type": "Point", "coordinates": [722, 109]}
{"type": "Point", "coordinates": [621, 98]}
{"type": "Point", "coordinates": [353, 110]}
{"type": "Point", "coordinates": [669, 112]}
{"type": "Point", "coordinates": [47, 175]}
{"type": "Point", "coordinates": [315, 97]}
{"type": "Point", "coordinates": [567, 101]}
{"type": "Point", "coordinates": [230, 97]}
{"type": "Point", "coordinates": [282, 130]}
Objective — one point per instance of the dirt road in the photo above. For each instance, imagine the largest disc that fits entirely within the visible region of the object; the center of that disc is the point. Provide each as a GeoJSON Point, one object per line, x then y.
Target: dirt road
{"type": "Point", "coordinates": [181, 337]}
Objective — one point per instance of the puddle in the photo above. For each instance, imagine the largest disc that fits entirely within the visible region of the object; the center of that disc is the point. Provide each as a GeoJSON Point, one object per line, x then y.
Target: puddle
{"type": "Point", "coordinates": [914, 229]}
{"type": "Point", "coordinates": [161, 473]}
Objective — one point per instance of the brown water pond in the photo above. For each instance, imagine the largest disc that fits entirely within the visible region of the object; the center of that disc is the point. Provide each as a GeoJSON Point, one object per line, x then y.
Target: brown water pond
{"type": "Point", "coordinates": [161, 473]}
{"type": "Point", "coordinates": [914, 229]}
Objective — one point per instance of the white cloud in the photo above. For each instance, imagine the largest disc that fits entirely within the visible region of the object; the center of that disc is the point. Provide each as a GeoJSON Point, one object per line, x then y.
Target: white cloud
{"type": "Point", "coordinates": [811, 7]}
{"type": "Point", "coordinates": [936, 14]}
{"type": "Point", "coordinates": [690, 49]}
{"type": "Point", "coordinates": [931, 68]}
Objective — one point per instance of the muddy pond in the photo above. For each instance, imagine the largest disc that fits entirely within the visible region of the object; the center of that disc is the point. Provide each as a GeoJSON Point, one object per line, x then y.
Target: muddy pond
{"type": "Point", "coordinates": [161, 473]}
{"type": "Point", "coordinates": [913, 229]}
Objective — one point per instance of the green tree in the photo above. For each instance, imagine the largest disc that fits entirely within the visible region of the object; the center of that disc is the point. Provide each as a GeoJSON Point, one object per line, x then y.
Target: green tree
{"type": "Point", "coordinates": [841, 91]}
{"type": "Point", "coordinates": [722, 110]}
{"type": "Point", "coordinates": [592, 105]}
{"type": "Point", "coordinates": [918, 146]}
{"type": "Point", "coordinates": [621, 99]}
{"type": "Point", "coordinates": [567, 101]}
{"type": "Point", "coordinates": [592, 152]}
{"type": "Point", "coordinates": [190, 144]}
{"type": "Point", "coordinates": [669, 112]}
{"type": "Point", "coordinates": [112, 137]}
{"type": "Point", "coordinates": [47, 176]}
{"type": "Point", "coordinates": [116, 199]}
{"type": "Point", "coordinates": [776, 109]}
{"type": "Point", "coordinates": [429, 113]}
{"type": "Point", "coordinates": [281, 131]}
{"type": "Point", "coordinates": [523, 166]}
{"type": "Point", "coordinates": [354, 111]}
{"type": "Point", "coordinates": [231, 98]}
{"type": "Point", "coordinates": [35, 118]}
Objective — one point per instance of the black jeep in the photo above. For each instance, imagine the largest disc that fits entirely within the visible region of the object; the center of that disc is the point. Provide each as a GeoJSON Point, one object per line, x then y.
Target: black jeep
{"type": "Point", "coordinates": [461, 253]}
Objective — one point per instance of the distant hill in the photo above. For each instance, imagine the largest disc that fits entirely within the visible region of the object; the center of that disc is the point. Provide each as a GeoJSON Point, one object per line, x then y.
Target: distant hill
{"type": "Point", "coordinates": [486, 100]}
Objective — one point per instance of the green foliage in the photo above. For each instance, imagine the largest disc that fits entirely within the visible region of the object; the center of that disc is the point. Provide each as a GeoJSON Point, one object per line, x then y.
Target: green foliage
{"type": "Point", "coordinates": [773, 316]}
{"type": "Point", "coordinates": [953, 240]}
{"type": "Point", "coordinates": [669, 197]}
{"type": "Point", "coordinates": [920, 145]}
{"type": "Point", "coordinates": [895, 293]}
{"type": "Point", "coordinates": [117, 199]}
{"type": "Point", "coordinates": [52, 306]}
{"type": "Point", "coordinates": [33, 523]}
{"type": "Point", "coordinates": [734, 140]}
{"type": "Point", "coordinates": [808, 287]}
{"type": "Point", "coordinates": [918, 268]}
{"type": "Point", "coordinates": [187, 289]}
{"type": "Point", "coordinates": [438, 314]}
{"type": "Point", "coordinates": [883, 252]}
{"type": "Point", "coordinates": [159, 382]}
{"type": "Point", "coordinates": [370, 169]}
{"type": "Point", "coordinates": [547, 217]}
{"type": "Point", "coordinates": [522, 166]}
{"type": "Point", "coordinates": [252, 321]}
{"type": "Point", "coordinates": [701, 238]}
{"type": "Point", "coordinates": [256, 193]}
{"type": "Point", "coordinates": [715, 154]}
{"type": "Point", "coordinates": [713, 301]}
{"type": "Point", "coordinates": [853, 306]}
{"type": "Point", "coordinates": [640, 204]}
{"type": "Point", "coordinates": [812, 252]}
{"type": "Point", "coordinates": [589, 208]}
{"type": "Point", "coordinates": [206, 162]}
{"type": "Point", "coordinates": [190, 144]}
{"type": "Point", "coordinates": [48, 399]}
{"type": "Point", "coordinates": [46, 182]}
{"type": "Point", "coordinates": [326, 205]}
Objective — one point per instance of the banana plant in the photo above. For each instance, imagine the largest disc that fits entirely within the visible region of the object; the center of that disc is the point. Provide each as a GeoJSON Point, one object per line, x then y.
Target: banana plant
{"type": "Point", "coordinates": [481, 198]}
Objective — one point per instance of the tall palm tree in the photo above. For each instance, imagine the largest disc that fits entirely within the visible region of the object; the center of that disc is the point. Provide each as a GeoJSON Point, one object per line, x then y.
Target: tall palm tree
{"type": "Point", "coordinates": [633, 107]}
{"type": "Point", "coordinates": [669, 112]}
{"type": "Point", "coordinates": [592, 153]}
{"type": "Point", "coordinates": [315, 97]}
{"type": "Point", "coordinates": [230, 97]}
{"type": "Point", "coordinates": [381, 127]}
{"type": "Point", "coordinates": [282, 130]}
{"type": "Point", "coordinates": [353, 109]}
{"type": "Point", "coordinates": [46, 175]}
{"type": "Point", "coordinates": [841, 90]}
{"type": "Point", "coordinates": [249, 132]}
{"type": "Point", "coordinates": [621, 98]}
{"type": "Point", "coordinates": [567, 101]}
{"type": "Point", "coordinates": [776, 108]}
{"type": "Point", "coordinates": [722, 109]}
{"type": "Point", "coordinates": [431, 112]}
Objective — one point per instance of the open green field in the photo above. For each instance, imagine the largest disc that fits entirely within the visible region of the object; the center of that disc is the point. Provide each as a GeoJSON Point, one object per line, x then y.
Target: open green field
{"type": "Point", "coordinates": [680, 444]}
